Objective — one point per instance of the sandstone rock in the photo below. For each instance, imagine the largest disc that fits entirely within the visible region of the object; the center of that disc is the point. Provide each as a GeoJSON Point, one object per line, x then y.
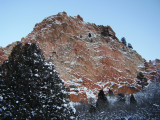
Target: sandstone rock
{"type": "Point", "coordinates": [111, 32]}
{"type": "Point", "coordinates": [79, 17]}
{"type": "Point", "coordinates": [87, 63]}
{"type": "Point", "coordinates": [3, 57]}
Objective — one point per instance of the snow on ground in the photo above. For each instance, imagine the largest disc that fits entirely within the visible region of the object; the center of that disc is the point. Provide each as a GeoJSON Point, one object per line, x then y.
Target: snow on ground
{"type": "Point", "coordinates": [57, 22]}
{"type": "Point", "coordinates": [101, 84]}
{"type": "Point", "coordinates": [116, 69]}
{"type": "Point", "coordinates": [89, 93]}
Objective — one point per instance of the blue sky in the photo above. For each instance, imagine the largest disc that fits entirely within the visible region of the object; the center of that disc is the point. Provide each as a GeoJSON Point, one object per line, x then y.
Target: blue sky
{"type": "Point", "coordinates": [136, 20]}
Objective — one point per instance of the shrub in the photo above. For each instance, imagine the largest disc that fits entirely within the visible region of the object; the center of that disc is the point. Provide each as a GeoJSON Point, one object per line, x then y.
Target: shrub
{"type": "Point", "coordinates": [130, 46]}
{"type": "Point", "coordinates": [102, 101]}
{"type": "Point", "coordinates": [123, 40]}
{"type": "Point", "coordinates": [105, 31]}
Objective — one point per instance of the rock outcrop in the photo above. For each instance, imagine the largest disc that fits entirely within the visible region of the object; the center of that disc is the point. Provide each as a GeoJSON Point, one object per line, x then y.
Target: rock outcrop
{"type": "Point", "coordinates": [87, 63]}
{"type": "Point", "coordinates": [3, 55]}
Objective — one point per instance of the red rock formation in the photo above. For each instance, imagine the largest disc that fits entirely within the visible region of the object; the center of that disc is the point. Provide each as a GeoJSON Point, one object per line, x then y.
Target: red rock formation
{"type": "Point", "coordinates": [111, 32]}
{"type": "Point", "coordinates": [5, 52]}
{"type": "Point", "coordinates": [3, 56]}
{"type": "Point", "coordinates": [87, 64]}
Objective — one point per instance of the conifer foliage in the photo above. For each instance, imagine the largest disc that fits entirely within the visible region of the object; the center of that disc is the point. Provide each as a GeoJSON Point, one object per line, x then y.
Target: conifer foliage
{"type": "Point", "coordinates": [133, 100]}
{"type": "Point", "coordinates": [121, 98]}
{"type": "Point", "coordinates": [143, 79]}
{"type": "Point", "coordinates": [130, 46]}
{"type": "Point", "coordinates": [110, 93]}
{"type": "Point", "coordinates": [102, 101]}
{"type": "Point", "coordinates": [105, 31]}
{"type": "Point", "coordinates": [123, 40]}
{"type": "Point", "coordinates": [31, 88]}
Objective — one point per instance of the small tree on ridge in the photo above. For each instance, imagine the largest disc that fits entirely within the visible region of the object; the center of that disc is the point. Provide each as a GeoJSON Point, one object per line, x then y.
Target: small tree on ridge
{"type": "Point", "coordinates": [123, 40]}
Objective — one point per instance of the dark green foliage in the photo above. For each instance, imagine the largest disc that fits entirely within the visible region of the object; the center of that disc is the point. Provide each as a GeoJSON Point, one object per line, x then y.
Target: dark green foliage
{"type": "Point", "coordinates": [102, 101]}
{"type": "Point", "coordinates": [34, 90]}
{"type": "Point", "coordinates": [123, 40]}
{"type": "Point", "coordinates": [105, 31]}
{"type": "Point", "coordinates": [142, 78]}
{"type": "Point", "coordinates": [92, 109]}
{"type": "Point", "coordinates": [110, 93]}
{"type": "Point", "coordinates": [130, 46]}
{"type": "Point", "coordinates": [133, 100]}
{"type": "Point", "coordinates": [121, 98]}
{"type": "Point", "coordinates": [102, 96]}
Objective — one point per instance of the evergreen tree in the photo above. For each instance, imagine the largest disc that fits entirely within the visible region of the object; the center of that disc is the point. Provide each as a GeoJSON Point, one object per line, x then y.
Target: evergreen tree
{"type": "Point", "coordinates": [142, 78]}
{"type": "Point", "coordinates": [130, 46]}
{"type": "Point", "coordinates": [110, 93]}
{"type": "Point", "coordinates": [92, 109]}
{"type": "Point", "coordinates": [102, 101]}
{"type": "Point", "coordinates": [133, 100]}
{"type": "Point", "coordinates": [2, 93]}
{"type": "Point", "coordinates": [105, 31]}
{"type": "Point", "coordinates": [34, 89]}
{"type": "Point", "coordinates": [121, 98]}
{"type": "Point", "coordinates": [123, 40]}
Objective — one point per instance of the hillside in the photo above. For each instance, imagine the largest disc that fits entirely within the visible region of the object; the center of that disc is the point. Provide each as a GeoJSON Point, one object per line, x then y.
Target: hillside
{"type": "Point", "coordinates": [88, 57]}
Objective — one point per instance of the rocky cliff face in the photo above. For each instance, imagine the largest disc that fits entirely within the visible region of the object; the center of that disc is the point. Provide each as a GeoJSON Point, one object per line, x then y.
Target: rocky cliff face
{"type": "Point", "coordinates": [88, 57]}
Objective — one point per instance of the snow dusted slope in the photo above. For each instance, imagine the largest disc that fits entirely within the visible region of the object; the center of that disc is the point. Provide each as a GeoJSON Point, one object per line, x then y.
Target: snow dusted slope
{"type": "Point", "coordinates": [87, 63]}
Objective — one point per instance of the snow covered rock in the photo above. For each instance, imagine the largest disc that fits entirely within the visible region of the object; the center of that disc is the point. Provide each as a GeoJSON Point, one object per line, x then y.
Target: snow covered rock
{"type": "Point", "coordinates": [100, 61]}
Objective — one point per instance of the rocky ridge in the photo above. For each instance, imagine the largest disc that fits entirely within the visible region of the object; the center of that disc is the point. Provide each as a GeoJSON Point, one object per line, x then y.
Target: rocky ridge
{"type": "Point", "coordinates": [88, 57]}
